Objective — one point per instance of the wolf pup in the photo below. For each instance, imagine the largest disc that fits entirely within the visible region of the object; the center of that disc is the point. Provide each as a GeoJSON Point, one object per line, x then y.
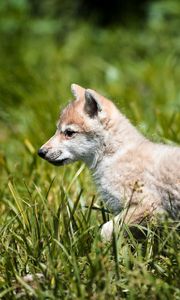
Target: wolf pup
{"type": "Point", "coordinates": [136, 177]}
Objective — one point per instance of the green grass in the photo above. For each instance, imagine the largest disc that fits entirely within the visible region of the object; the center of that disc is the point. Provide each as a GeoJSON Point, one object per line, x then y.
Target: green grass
{"type": "Point", "coordinates": [48, 230]}
{"type": "Point", "coordinates": [48, 223]}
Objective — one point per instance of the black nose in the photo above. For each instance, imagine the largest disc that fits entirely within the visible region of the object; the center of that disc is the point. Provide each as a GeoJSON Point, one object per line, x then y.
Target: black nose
{"type": "Point", "coordinates": [42, 152]}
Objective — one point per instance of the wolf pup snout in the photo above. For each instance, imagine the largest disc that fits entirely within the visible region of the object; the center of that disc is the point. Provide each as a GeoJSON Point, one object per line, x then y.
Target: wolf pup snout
{"type": "Point", "coordinates": [42, 152]}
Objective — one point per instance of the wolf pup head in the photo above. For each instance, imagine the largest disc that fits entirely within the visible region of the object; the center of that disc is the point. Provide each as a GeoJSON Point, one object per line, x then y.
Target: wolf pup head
{"type": "Point", "coordinates": [81, 129]}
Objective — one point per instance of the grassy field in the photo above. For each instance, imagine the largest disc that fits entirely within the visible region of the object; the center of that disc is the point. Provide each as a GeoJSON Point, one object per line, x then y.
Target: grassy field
{"type": "Point", "coordinates": [49, 226]}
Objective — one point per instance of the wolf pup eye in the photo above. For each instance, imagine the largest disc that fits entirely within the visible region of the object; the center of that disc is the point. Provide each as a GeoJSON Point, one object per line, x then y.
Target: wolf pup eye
{"type": "Point", "coordinates": [69, 132]}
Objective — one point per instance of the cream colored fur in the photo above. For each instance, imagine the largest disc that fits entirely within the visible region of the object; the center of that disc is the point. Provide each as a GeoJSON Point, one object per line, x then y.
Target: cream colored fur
{"type": "Point", "coordinates": [136, 177]}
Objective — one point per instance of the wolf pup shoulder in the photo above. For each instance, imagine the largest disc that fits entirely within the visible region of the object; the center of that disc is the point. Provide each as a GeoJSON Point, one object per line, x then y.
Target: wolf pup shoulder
{"type": "Point", "coordinates": [146, 175]}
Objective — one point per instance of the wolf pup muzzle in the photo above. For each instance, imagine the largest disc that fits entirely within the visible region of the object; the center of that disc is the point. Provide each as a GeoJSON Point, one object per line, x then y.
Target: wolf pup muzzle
{"type": "Point", "coordinates": [42, 152]}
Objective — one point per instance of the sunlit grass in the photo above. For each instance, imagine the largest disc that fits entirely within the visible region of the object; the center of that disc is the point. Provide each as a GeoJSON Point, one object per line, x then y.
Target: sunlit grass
{"type": "Point", "coordinates": [50, 234]}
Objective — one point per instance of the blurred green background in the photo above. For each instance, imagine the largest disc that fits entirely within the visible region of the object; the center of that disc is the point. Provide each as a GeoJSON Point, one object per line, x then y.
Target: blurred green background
{"type": "Point", "coordinates": [127, 50]}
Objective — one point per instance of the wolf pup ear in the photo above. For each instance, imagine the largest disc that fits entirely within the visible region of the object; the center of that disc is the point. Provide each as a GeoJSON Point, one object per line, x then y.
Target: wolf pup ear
{"type": "Point", "coordinates": [92, 106]}
{"type": "Point", "coordinates": [77, 91]}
